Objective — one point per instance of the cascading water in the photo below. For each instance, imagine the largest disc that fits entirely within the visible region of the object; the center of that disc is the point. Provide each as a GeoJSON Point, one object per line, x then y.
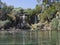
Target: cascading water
{"type": "Point", "coordinates": [23, 21]}
{"type": "Point", "coordinates": [23, 18]}
{"type": "Point", "coordinates": [35, 20]}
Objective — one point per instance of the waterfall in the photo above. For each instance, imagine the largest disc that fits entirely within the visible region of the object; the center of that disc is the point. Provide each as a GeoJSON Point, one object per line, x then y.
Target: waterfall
{"type": "Point", "coordinates": [23, 18]}
{"type": "Point", "coordinates": [23, 21]}
{"type": "Point", "coordinates": [35, 19]}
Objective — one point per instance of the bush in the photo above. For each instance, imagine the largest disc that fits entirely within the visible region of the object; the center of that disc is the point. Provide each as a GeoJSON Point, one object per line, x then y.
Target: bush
{"type": "Point", "coordinates": [54, 24]}
{"type": "Point", "coordinates": [2, 23]}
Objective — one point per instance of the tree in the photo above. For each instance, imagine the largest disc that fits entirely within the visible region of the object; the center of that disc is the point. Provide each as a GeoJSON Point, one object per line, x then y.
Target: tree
{"type": "Point", "coordinates": [38, 1]}
{"type": "Point", "coordinates": [5, 10]}
{"type": "Point", "coordinates": [57, 5]}
{"type": "Point", "coordinates": [31, 11]}
{"type": "Point", "coordinates": [28, 11]}
{"type": "Point", "coordinates": [38, 9]}
{"type": "Point", "coordinates": [44, 1]}
{"type": "Point", "coordinates": [17, 11]}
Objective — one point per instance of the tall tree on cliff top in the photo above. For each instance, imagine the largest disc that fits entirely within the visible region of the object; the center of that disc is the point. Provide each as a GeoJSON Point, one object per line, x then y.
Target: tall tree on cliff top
{"type": "Point", "coordinates": [44, 1]}
{"type": "Point", "coordinates": [5, 10]}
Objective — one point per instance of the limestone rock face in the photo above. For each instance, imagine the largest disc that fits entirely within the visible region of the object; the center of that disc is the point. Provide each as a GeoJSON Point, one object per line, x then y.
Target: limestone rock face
{"type": "Point", "coordinates": [58, 14]}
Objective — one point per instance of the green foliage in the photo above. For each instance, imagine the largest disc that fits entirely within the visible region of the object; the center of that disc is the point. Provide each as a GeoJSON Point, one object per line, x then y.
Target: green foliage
{"type": "Point", "coordinates": [48, 13]}
{"type": "Point", "coordinates": [38, 1]}
{"type": "Point", "coordinates": [54, 24]}
{"type": "Point", "coordinates": [5, 10]}
{"type": "Point", "coordinates": [28, 11]}
{"type": "Point", "coordinates": [38, 9]}
{"type": "Point", "coordinates": [17, 11]}
{"type": "Point", "coordinates": [59, 25]}
{"type": "Point", "coordinates": [51, 11]}
{"type": "Point", "coordinates": [57, 5]}
{"type": "Point", "coordinates": [2, 23]}
{"type": "Point", "coordinates": [33, 12]}
{"type": "Point", "coordinates": [44, 1]}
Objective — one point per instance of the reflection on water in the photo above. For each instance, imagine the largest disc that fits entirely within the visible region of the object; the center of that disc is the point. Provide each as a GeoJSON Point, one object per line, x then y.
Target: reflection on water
{"type": "Point", "coordinates": [29, 38]}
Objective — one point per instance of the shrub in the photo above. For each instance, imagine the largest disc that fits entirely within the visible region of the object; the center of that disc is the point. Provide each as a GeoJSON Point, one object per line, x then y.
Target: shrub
{"type": "Point", "coordinates": [54, 24]}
